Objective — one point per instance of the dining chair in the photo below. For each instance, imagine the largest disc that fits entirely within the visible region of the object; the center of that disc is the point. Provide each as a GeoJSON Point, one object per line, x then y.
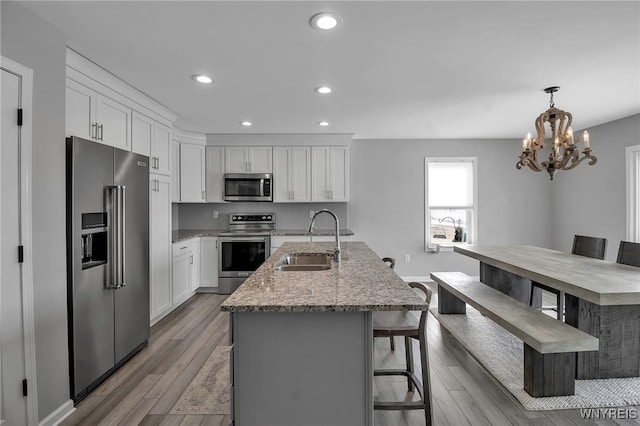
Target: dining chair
{"type": "Point", "coordinates": [593, 247]}
{"type": "Point", "coordinates": [629, 253]}
{"type": "Point", "coordinates": [408, 325]}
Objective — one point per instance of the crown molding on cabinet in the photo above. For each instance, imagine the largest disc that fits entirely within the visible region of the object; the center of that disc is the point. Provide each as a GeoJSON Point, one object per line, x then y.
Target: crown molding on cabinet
{"type": "Point", "coordinates": [189, 136]}
{"type": "Point", "coordinates": [275, 139]}
{"type": "Point", "coordinates": [102, 81]}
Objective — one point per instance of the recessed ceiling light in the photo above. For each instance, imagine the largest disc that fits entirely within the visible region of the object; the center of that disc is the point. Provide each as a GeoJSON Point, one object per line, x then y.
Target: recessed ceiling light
{"type": "Point", "coordinates": [323, 123]}
{"type": "Point", "coordinates": [325, 21]}
{"type": "Point", "coordinates": [201, 78]}
{"type": "Point", "coordinates": [323, 90]}
{"type": "Point", "coordinates": [246, 123]}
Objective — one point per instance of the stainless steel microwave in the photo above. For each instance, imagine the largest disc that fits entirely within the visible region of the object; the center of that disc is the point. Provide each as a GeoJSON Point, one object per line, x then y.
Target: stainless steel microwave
{"type": "Point", "coordinates": [248, 187]}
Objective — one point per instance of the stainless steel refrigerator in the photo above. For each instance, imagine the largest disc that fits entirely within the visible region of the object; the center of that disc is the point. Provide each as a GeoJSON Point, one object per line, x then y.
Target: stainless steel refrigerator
{"type": "Point", "coordinates": [107, 260]}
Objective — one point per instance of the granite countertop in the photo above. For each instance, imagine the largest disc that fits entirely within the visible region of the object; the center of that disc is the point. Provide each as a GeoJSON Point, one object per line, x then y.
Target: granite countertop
{"type": "Point", "coordinates": [361, 282]}
{"type": "Point", "coordinates": [186, 234]}
{"type": "Point", "coordinates": [301, 232]}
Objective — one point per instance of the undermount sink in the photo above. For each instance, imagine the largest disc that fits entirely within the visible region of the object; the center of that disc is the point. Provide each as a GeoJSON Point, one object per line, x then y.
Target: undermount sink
{"type": "Point", "coordinates": [304, 262]}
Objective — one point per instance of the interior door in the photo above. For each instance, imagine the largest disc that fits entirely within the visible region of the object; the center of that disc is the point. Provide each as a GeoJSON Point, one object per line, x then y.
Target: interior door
{"type": "Point", "coordinates": [13, 409]}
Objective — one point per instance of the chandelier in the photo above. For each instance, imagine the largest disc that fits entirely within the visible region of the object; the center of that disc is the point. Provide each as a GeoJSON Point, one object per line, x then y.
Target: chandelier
{"type": "Point", "coordinates": [564, 154]}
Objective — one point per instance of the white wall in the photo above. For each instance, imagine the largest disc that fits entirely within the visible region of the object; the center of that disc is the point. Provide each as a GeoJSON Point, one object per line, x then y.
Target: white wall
{"type": "Point", "coordinates": [37, 45]}
{"type": "Point", "coordinates": [591, 200]}
{"type": "Point", "coordinates": [288, 216]}
{"type": "Point", "coordinates": [387, 199]}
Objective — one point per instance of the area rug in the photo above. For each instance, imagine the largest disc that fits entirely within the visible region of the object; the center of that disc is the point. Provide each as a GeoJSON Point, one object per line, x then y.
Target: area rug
{"type": "Point", "coordinates": [502, 355]}
{"type": "Point", "coordinates": [208, 392]}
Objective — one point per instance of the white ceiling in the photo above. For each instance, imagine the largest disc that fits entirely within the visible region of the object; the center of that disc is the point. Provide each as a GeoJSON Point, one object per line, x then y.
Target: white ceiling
{"type": "Point", "coordinates": [416, 69]}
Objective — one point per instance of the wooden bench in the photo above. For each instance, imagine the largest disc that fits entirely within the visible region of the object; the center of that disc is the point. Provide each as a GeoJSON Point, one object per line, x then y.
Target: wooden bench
{"type": "Point", "coordinates": [550, 346]}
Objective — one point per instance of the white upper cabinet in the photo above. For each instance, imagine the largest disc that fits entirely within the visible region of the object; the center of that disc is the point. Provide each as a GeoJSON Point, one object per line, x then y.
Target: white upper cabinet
{"type": "Point", "coordinates": [141, 133]}
{"type": "Point", "coordinates": [94, 116]}
{"type": "Point", "coordinates": [292, 174]}
{"type": "Point", "coordinates": [175, 171]}
{"type": "Point", "coordinates": [80, 110]}
{"type": "Point", "coordinates": [161, 149]}
{"type": "Point", "coordinates": [192, 173]}
{"type": "Point", "coordinates": [248, 159]}
{"type": "Point", "coordinates": [214, 171]}
{"type": "Point", "coordinates": [148, 137]}
{"type": "Point", "coordinates": [330, 173]}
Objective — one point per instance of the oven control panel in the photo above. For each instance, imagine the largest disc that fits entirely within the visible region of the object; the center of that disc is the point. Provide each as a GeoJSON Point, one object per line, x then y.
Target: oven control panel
{"type": "Point", "coordinates": [244, 218]}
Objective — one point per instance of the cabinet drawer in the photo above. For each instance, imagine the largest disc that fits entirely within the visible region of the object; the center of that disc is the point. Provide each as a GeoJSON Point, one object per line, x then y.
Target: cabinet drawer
{"type": "Point", "coordinates": [181, 248]}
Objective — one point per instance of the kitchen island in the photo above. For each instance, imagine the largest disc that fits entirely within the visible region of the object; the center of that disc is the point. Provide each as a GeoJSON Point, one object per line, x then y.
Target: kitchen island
{"type": "Point", "coordinates": [303, 341]}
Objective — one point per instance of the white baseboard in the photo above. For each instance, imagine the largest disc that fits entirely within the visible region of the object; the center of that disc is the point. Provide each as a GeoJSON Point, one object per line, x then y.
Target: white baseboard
{"type": "Point", "coordinates": [207, 290]}
{"type": "Point", "coordinates": [59, 415]}
{"type": "Point", "coordinates": [417, 279]}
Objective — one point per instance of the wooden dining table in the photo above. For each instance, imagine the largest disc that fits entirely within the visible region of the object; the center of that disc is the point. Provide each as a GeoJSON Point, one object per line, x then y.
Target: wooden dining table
{"type": "Point", "coordinates": [601, 298]}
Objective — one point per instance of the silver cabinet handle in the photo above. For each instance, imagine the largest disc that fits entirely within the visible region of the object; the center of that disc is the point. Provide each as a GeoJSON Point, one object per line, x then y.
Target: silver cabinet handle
{"type": "Point", "coordinates": [94, 131]}
{"type": "Point", "coordinates": [157, 163]}
{"type": "Point", "coordinates": [101, 129]}
{"type": "Point", "coordinates": [203, 195]}
{"type": "Point", "coordinates": [191, 259]}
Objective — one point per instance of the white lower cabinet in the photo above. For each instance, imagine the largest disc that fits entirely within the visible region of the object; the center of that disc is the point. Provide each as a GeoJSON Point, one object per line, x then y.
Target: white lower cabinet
{"type": "Point", "coordinates": [160, 246]}
{"type": "Point", "coordinates": [208, 263]}
{"type": "Point", "coordinates": [182, 271]}
{"type": "Point", "coordinates": [186, 269]}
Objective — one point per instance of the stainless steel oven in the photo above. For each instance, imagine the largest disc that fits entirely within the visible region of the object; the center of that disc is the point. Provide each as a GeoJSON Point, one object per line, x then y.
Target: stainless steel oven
{"type": "Point", "coordinates": [243, 249]}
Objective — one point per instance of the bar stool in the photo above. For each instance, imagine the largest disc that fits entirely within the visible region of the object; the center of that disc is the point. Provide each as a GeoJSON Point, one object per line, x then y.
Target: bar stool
{"type": "Point", "coordinates": [404, 323]}
{"type": "Point", "coordinates": [583, 246]}
{"type": "Point", "coordinates": [629, 253]}
{"type": "Point", "coordinates": [391, 262]}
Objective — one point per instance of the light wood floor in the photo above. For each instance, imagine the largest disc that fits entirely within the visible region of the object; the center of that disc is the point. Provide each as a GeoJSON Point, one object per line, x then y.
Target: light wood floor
{"type": "Point", "coordinates": [144, 390]}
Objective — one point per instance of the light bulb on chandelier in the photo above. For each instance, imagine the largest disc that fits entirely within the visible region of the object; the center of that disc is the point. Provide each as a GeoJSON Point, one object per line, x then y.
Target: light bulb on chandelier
{"type": "Point", "coordinates": [564, 154]}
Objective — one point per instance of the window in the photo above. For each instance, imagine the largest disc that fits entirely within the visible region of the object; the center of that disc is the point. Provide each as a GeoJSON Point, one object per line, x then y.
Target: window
{"type": "Point", "coordinates": [633, 193]}
{"type": "Point", "coordinates": [450, 202]}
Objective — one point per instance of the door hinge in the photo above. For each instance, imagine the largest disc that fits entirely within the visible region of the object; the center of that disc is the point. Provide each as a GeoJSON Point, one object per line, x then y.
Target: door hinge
{"type": "Point", "coordinates": [19, 116]}
{"type": "Point", "coordinates": [20, 254]}
{"type": "Point", "coordinates": [24, 388]}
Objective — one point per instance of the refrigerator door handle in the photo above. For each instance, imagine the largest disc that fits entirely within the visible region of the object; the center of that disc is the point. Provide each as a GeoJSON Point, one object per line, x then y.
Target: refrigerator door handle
{"type": "Point", "coordinates": [117, 196]}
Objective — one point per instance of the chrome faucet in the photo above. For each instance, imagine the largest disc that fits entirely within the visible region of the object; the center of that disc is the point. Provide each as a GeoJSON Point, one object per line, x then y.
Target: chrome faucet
{"type": "Point", "coordinates": [336, 255]}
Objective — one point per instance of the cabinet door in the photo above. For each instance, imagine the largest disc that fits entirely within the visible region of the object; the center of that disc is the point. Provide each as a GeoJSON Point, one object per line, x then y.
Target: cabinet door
{"type": "Point", "coordinates": [161, 149]}
{"type": "Point", "coordinates": [330, 173]}
{"type": "Point", "coordinates": [260, 159]}
{"type": "Point", "coordinates": [300, 170]}
{"type": "Point", "coordinates": [208, 262]}
{"type": "Point", "coordinates": [214, 170]}
{"type": "Point", "coordinates": [320, 160]}
{"type": "Point", "coordinates": [282, 175]}
{"type": "Point", "coordinates": [79, 110]}
{"type": "Point", "coordinates": [114, 123]}
{"type": "Point", "coordinates": [236, 159]}
{"type": "Point", "coordinates": [181, 278]}
{"type": "Point", "coordinates": [192, 173]}
{"type": "Point", "coordinates": [160, 246]}
{"type": "Point", "coordinates": [195, 264]}
{"type": "Point", "coordinates": [141, 133]}
{"type": "Point", "coordinates": [339, 173]}
{"type": "Point", "coordinates": [175, 171]}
